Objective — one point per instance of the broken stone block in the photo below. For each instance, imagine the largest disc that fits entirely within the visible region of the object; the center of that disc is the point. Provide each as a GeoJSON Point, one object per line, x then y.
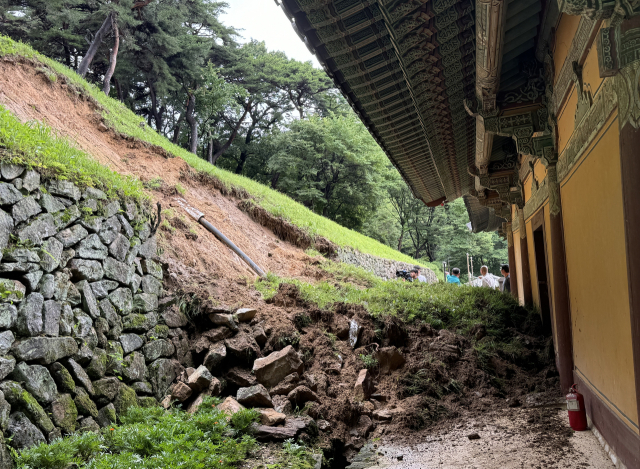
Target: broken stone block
{"type": "Point", "coordinates": [71, 236]}
{"type": "Point", "coordinates": [226, 320]}
{"type": "Point", "coordinates": [364, 386]}
{"type": "Point", "coordinates": [83, 269]}
{"type": "Point", "coordinates": [301, 395]}
{"type": "Point", "coordinates": [215, 356]}
{"type": "Point", "coordinates": [282, 404]}
{"type": "Point", "coordinates": [30, 315]}
{"type": "Point", "coordinates": [200, 379]}
{"type": "Point", "coordinates": [254, 396]}
{"type": "Point", "coordinates": [245, 314]}
{"type": "Point", "coordinates": [230, 406]}
{"type": "Point", "coordinates": [272, 369]}
{"type": "Point", "coordinates": [271, 417]}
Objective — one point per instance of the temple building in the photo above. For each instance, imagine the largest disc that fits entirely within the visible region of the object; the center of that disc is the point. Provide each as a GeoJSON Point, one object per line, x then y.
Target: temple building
{"type": "Point", "coordinates": [530, 111]}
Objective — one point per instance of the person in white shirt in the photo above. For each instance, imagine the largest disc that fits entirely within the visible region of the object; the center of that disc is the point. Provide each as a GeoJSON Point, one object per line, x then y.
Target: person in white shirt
{"type": "Point", "coordinates": [487, 279]}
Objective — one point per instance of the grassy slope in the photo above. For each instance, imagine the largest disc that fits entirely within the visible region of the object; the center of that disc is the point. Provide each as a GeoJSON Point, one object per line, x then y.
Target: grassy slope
{"type": "Point", "coordinates": [126, 122]}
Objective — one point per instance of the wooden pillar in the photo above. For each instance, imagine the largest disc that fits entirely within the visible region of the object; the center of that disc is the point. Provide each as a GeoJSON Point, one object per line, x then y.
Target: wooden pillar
{"type": "Point", "coordinates": [628, 105]}
{"type": "Point", "coordinates": [512, 262]}
{"type": "Point", "coordinates": [562, 311]}
{"type": "Point", "coordinates": [524, 259]}
{"type": "Point", "coordinates": [630, 165]}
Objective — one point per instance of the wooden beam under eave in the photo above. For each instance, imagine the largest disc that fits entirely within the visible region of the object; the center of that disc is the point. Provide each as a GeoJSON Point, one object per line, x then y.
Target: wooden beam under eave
{"type": "Point", "coordinates": [491, 17]}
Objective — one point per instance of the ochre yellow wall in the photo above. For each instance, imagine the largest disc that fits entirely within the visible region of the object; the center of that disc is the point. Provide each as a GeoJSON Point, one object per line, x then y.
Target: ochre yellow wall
{"type": "Point", "coordinates": [592, 83]}
{"type": "Point", "coordinates": [597, 273]}
{"type": "Point", "coordinates": [566, 119]}
{"type": "Point", "coordinates": [590, 72]}
{"type": "Point", "coordinates": [566, 30]}
{"type": "Point", "coordinates": [540, 172]}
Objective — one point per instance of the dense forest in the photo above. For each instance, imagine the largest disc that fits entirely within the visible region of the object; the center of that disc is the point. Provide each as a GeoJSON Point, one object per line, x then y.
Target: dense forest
{"type": "Point", "coordinates": [246, 109]}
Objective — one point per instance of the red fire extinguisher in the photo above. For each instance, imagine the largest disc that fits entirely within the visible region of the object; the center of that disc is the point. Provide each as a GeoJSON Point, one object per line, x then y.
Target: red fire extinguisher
{"type": "Point", "coordinates": [577, 413]}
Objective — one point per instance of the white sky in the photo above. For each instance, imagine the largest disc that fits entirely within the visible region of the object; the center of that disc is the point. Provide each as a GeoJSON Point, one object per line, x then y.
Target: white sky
{"type": "Point", "coordinates": [263, 20]}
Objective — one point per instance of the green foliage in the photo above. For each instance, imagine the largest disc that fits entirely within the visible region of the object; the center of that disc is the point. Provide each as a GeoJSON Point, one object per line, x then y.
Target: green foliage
{"type": "Point", "coordinates": [293, 456]}
{"type": "Point", "coordinates": [151, 438]}
{"type": "Point", "coordinates": [243, 419]}
{"type": "Point", "coordinates": [441, 305]}
{"type": "Point", "coordinates": [330, 164]}
{"type": "Point", "coordinates": [36, 146]}
{"type": "Point", "coordinates": [368, 361]}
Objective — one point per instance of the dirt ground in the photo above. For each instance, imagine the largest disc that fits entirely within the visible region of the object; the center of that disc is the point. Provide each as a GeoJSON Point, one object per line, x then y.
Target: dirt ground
{"type": "Point", "coordinates": [507, 441]}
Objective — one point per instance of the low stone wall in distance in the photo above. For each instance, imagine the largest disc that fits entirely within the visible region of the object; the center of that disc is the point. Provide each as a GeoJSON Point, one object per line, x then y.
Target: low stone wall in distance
{"type": "Point", "coordinates": [83, 334]}
{"type": "Point", "coordinates": [383, 268]}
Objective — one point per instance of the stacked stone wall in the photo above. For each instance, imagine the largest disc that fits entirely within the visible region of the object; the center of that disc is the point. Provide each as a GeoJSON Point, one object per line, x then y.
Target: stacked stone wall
{"type": "Point", "coordinates": [383, 268]}
{"type": "Point", "coordinates": [84, 331]}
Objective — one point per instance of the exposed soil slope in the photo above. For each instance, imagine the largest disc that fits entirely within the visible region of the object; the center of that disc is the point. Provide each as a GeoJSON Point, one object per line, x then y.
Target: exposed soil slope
{"type": "Point", "coordinates": [192, 250]}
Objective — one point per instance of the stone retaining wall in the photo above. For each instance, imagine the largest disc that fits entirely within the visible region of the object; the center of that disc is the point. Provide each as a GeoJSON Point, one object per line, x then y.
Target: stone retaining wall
{"type": "Point", "coordinates": [83, 332]}
{"type": "Point", "coordinates": [383, 268]}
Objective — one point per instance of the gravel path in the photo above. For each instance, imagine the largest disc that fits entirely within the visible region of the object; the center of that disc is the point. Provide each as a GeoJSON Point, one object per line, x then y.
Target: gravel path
{"type": "Point", "coordinates": [503, 443]}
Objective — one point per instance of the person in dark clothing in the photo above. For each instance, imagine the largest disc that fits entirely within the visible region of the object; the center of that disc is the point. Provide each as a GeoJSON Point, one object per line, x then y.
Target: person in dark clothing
{"type": "Point", "coordinates": [506, 286]}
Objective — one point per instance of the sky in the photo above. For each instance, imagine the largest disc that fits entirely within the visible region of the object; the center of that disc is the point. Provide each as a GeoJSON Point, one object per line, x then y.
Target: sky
{"type": "Point", "coordinates": [263, 20]}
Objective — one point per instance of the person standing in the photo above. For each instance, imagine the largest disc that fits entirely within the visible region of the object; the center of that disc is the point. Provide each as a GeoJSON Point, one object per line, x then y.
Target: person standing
{"type": "Point", "coordinates": [454, 277]}
{"type": "Point", "coordinates": [487, 279]}
{"type": "Point", "coordinates": [506, 286]}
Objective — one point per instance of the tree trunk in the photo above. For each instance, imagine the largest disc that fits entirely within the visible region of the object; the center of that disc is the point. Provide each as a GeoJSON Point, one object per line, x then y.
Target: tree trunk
{"type": "Point", "coordinates": [114, 54]}
{"type": "Point", "coordinates": [176, 129]}
{"type": "Point", "coordinates": [157, 115]}
{"type": "Point", "coordinates": [401, 237]}
{"type": "Point", "coordinates": [210, 150]}
{"type": "Point", "coordinates": [232, 136]}
{"type": "Point", "coordinates": [274, 180]}
{"type": "Point", "coordinates": [93, 48]}
{"type": "Point", "coordinates": [119, 90]}
{"type": "Point", "coordinates": [244, 154]}
{"type": "Point", "coordinates": [191, 120]}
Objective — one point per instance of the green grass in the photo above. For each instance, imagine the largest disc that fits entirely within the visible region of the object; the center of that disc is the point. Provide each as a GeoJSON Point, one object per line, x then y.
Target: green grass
{"type": "Point", "coordinates": [36, 146]}
{"type": "Point", "coordinates": [121, 119]}
{"type": "Point", "coordinates": [441, 305]}
{"type": "Point", "coordinates": [150, 438]}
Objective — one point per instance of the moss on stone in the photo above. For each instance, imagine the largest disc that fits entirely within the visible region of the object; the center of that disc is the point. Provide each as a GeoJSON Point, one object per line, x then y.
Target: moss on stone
{"type": "Point", "coordinates": [161, 331]}
{"type": "Point", "coordinates": [146, 401]}
{"type": "Point", "coordinates": [63, 379]}
{"type": "Point", "coordinates": [65, 413]}
{"type": "Point", "coordinates": [84, 404]}
{"type": "Point", "coordinates": [126, 398]}
{"type": "Point", "coordinates": [110, 414]}
{"type": "Point", "coordinates": [35, 412]}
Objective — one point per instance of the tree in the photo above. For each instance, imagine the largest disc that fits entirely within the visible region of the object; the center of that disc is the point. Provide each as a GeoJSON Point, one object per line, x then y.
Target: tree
{"type": "Point", "coordinates": [331, 165]}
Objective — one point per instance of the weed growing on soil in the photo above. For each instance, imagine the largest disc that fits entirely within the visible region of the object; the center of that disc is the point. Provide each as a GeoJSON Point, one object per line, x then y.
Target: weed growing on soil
{"type": "Point", "coordinates": [368, 361]}
{"type": "Point", "coordinates": [36, 146]}
{"type": "Point", "coordinates": [152, 437]}
{"type": "Point", "coordinates": [293, 456]}
{"type": "Point", "coordinates": [121, 119]}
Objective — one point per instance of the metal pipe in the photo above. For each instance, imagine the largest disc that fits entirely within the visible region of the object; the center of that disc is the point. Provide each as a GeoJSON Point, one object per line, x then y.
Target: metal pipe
{"type": "Point", "coordinates": [198, 216]}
